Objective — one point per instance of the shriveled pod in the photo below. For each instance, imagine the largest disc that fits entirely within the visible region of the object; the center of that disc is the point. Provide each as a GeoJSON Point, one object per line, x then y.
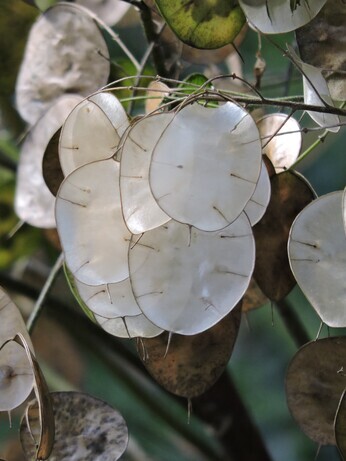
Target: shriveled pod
{"type": "Point", "coordinates": [189, 365]}
{"type": "Point", "coordinates": [277, 16]}
{"type": "Point", "coordinates": [186, 280]}
{"type": "Point", "coordinates": [206, 165]}
{"type": "Point", "coordinates": [283, 149]}
{"type": "Point", "coordinates": [317, 255]}
{"type": "Point", "coordinates": [90, 223]}
{"type": "Point", "coordinates": [92, 131]}
{"type": "Point", "coordinates": [65, 53]}
{"type": "Point", "coordinates": [86, 429]}
{"type": "Point", "coordinates": [34, 202]}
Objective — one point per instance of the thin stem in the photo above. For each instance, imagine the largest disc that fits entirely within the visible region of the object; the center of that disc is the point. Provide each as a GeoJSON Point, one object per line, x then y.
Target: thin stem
{"type": "Point", "coordinates": [43, 294]}
{"type": "Point", "coordinates": [153, 37]}
{"type": "Point", "coordinates": [318, 141]}
{"type": "Point", "coordinates": [302, 156]}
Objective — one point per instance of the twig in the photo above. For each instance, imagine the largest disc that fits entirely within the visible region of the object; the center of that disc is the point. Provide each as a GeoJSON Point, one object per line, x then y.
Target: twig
{"type": "Point", "coordinates": [43, 294]}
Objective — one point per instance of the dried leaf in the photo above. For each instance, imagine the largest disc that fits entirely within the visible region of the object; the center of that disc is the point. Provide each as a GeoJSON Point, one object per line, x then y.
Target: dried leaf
{"type": "Point", "coordinates": [189, 365]}
{"type": "Point", "coordinates": [86, 429]}
{"type": "Point", "coordinates": [290, 194]}
{"type": "Point", "coordinates": [314, 383]}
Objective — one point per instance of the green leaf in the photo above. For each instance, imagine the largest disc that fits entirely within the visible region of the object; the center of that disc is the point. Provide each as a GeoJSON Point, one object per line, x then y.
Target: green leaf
{"type": "Point", "coordinates": [206, 24]}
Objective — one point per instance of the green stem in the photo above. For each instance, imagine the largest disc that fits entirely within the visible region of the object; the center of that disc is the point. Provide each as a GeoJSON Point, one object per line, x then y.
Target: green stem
{"type": "Point", "coordinates": [318, 141]}
{"type": "Point", "coordinates": [43, 294]}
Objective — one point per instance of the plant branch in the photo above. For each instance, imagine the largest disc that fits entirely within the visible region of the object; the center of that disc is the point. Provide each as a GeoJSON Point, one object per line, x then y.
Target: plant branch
{"type": "Point", "coordinates": [43, 294]}
{"type": "Point", "coordinates": [293, 323]}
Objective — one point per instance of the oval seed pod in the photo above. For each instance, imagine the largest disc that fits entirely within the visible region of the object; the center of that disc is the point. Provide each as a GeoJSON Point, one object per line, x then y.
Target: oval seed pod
{"type": "Point", "coordinates": [16, 374]}
{"type": "Point", "coordinates": [290, 194]}
{"type": "Point", "coordinates": [186, 280]}
{"type": "Point", "coordinates": [86, 429]}
{"type": "Point", "coordinates": [199, 181]}
{"type": "Point", "coordinates": [52, 67]}
{"type": "Point", "coordinates": [189, 365]}
{"type": "Point", "coordinates": [317, 256]}
{"type": "Point", "coordinates": [315, 381]}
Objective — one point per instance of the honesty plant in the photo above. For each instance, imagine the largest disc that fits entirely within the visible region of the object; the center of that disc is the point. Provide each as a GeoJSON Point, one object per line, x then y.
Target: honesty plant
{"type": "Point", "coordinates": [175, 204]}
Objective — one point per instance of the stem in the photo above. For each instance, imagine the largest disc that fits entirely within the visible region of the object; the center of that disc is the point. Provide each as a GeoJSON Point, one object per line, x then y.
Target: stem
{"type": "Point", "coordinates": [153, 37]}
{"type": "Point", "coordinates": [223, 408]}
{"type": "Point", "coordinates": [293, 323]}
{"type": "Point", "coordinates": [43, 294]}
{"type": "Point", "coordinates": [319, 140]}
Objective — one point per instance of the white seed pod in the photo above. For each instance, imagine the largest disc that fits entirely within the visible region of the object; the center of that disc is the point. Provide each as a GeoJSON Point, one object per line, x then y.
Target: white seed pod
{"type": "Point", "coordinates": [140, 209]}
{"type": "Point", "coordinates": [257, 205]}
{"type": "Point", "coordinates": [317, 255]}
{"type": "Point", "coordinates": [16, 375]}
{"type": "Point", "coordinates": [206, 165]}
{"type": "Point", "coordinates": [110, 11]}
{"type": "Point", "coordinates": [91, 226]}
{"type": "Point", "coordinates": [65, 53]}
{"type": "Point", "coordinates": [34, 203]}
{"type": "Point", "coordinates": [86, 429]}
{"type": "Point", "coordinates": [283, 149]}
{"type": "Point", "coordinates": [276, 16]}
{"type": "Point", "coordinates": [316, 92]}
{"type": "Point", "coordinates": [92, 131]}
{"type": "Point", "coordinates": [111, 300]}
{"type": "Point", "coordinates": [129, 326]}
{"type": "Point", "coordinates": [186, 280]}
